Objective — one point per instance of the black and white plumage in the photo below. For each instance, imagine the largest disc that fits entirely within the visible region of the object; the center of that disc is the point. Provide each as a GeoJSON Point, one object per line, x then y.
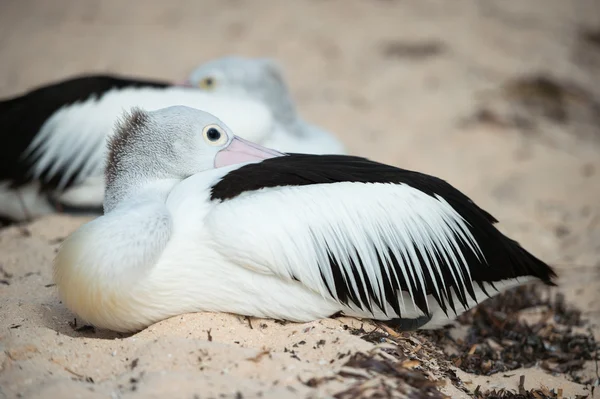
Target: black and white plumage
{"type": "Point", "coordinates": [230, 226]}
{"type": "Point", "coordinates": [425, 236]}
{"type": "Point", "coordinates": [54, 136]}
{"type": "Point", "coordinates": [25, 122]}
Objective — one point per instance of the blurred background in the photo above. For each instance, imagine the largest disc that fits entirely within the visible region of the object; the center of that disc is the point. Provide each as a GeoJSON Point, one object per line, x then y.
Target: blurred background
{"type": "Point", "coordinates": [501, 98]}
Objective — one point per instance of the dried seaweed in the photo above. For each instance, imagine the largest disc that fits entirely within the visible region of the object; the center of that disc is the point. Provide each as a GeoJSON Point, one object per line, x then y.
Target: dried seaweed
{"type": "Point", "coordinates": [540, 393]}
{"type": "Point", "coordinates": [381, 376]}
{"type": "Point", "coordinates": [401, 355]}
{"type": "Point", "coordinates": [506, 394]}
{"type": "Point", "coordinates": [498, 340]}
{"type": "Point", "coordinates": [374, 336]}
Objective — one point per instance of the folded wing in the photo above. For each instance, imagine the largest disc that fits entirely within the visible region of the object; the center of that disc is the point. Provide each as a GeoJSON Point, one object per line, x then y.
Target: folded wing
{"type": "Point", "coordinates": [360, 232]}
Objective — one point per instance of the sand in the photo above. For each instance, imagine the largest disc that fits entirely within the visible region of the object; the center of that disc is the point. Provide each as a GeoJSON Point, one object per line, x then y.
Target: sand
{"type": "Point", "coordinates": [424, 85]}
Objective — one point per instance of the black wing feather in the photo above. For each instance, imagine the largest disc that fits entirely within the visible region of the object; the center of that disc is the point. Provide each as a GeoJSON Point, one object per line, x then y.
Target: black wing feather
{"type": "Point", "coordinates": [22, 117]}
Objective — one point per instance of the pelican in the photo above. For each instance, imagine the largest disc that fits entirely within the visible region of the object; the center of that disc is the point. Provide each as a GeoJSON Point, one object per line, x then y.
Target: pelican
{"type": "Point", "coordinates": [54, 136]}
{"type": "Point", "coordinates": [263, 79]}
{"type": "Point", "coordinates": [198, 219]}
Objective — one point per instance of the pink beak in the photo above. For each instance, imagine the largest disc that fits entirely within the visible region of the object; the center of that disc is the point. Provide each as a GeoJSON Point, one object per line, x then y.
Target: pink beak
{"type": "Point", "coordinates": [240, 151]}
{"type": "Point", "coordinates": [185, 83]}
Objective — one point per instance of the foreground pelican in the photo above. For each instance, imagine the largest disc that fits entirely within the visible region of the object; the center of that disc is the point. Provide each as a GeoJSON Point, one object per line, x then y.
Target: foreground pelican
{"type": "Point", "coordinates": [197, 219]}
{"type": "Point", "coordinates": [53, 137]}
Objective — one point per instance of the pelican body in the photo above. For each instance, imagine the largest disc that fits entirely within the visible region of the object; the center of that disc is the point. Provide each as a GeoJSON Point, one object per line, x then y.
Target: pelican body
{"type": "Point", "coordinates": [197, 219]}
{"type": "Point", "coordinates": [54, 137]}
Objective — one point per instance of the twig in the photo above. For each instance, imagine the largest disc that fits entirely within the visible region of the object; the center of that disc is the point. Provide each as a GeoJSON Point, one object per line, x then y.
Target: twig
{"type": "Point", "coordinates": [68, 369]}
{"type": "Point", "coordinates": [522, 385]}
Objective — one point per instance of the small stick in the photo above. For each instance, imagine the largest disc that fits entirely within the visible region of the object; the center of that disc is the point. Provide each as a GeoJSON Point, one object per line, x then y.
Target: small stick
{"type": "Point", "coordinates": [522, 385]}
{"type": "Point", "coordinates": [68, 369]}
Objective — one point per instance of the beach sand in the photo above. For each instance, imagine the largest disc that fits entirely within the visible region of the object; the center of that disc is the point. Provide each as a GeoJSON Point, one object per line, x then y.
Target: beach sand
{"type": "Point", "coordinates": [500, 98]}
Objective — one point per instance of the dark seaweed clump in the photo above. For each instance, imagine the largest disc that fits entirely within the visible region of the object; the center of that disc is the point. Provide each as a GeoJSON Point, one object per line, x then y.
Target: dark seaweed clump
{"type": "Point", "coordinates": [498, 340]}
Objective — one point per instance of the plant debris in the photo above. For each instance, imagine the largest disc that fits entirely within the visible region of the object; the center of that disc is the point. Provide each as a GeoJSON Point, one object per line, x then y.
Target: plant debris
{"type": "Point", "coordinates": [532, 102]}
{"type": "Point", "coordinates": [381, 376]}
{"type": "Point", "coordinates": [540, 393]}
{"type": "Point", "coordinates": [401, 365]}
{"type": "Point", "coordinates": [414, 50]}
{"type": "Point", "coordinates": [591, 37]}
{"type": "Point", "coordinates": [499, 340]}
{"type": "Point", "coordinates": [374, 336]}
{"type": "Point", "coordinates": [7, 276]}
{"type": "Point", "coordinates": [259, 356]}
{"type": "Point", "coordinates": [292, 352]}
{"type": "Point", "coordinates": [546, 96]}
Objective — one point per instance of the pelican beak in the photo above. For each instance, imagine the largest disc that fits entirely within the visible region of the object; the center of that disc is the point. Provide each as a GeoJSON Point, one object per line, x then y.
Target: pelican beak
{"type": "Point", "coordinates": [185, 83]}
{"type": "Point", "coordinates": [241, 151]}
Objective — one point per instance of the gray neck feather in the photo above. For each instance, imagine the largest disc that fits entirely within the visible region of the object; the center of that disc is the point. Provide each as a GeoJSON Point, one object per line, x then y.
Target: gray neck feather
{"type": "Point", "coordinates": [126, 175]}
{"type": "Point", "coordinates": [136, 183]}
{"type": "Point", "coordinates": [284, 111]}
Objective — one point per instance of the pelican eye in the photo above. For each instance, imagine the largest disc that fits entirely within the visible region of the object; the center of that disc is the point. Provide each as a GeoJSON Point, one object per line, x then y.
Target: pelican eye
{"type": "Point", "coordinates": [214, 135]}
{"type": "Point", "coordinates": [207, 83]}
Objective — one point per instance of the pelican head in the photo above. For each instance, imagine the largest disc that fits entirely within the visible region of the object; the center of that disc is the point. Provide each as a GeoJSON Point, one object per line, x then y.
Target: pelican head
{"type": "Point", "coordinates": [171, 144]}
{"type": "Point", "coordinates": [255, 78]}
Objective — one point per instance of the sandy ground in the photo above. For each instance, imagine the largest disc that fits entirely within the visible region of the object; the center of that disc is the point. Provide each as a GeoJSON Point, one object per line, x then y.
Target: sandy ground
{"type": "Point", "coordinates": [427, 85]}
